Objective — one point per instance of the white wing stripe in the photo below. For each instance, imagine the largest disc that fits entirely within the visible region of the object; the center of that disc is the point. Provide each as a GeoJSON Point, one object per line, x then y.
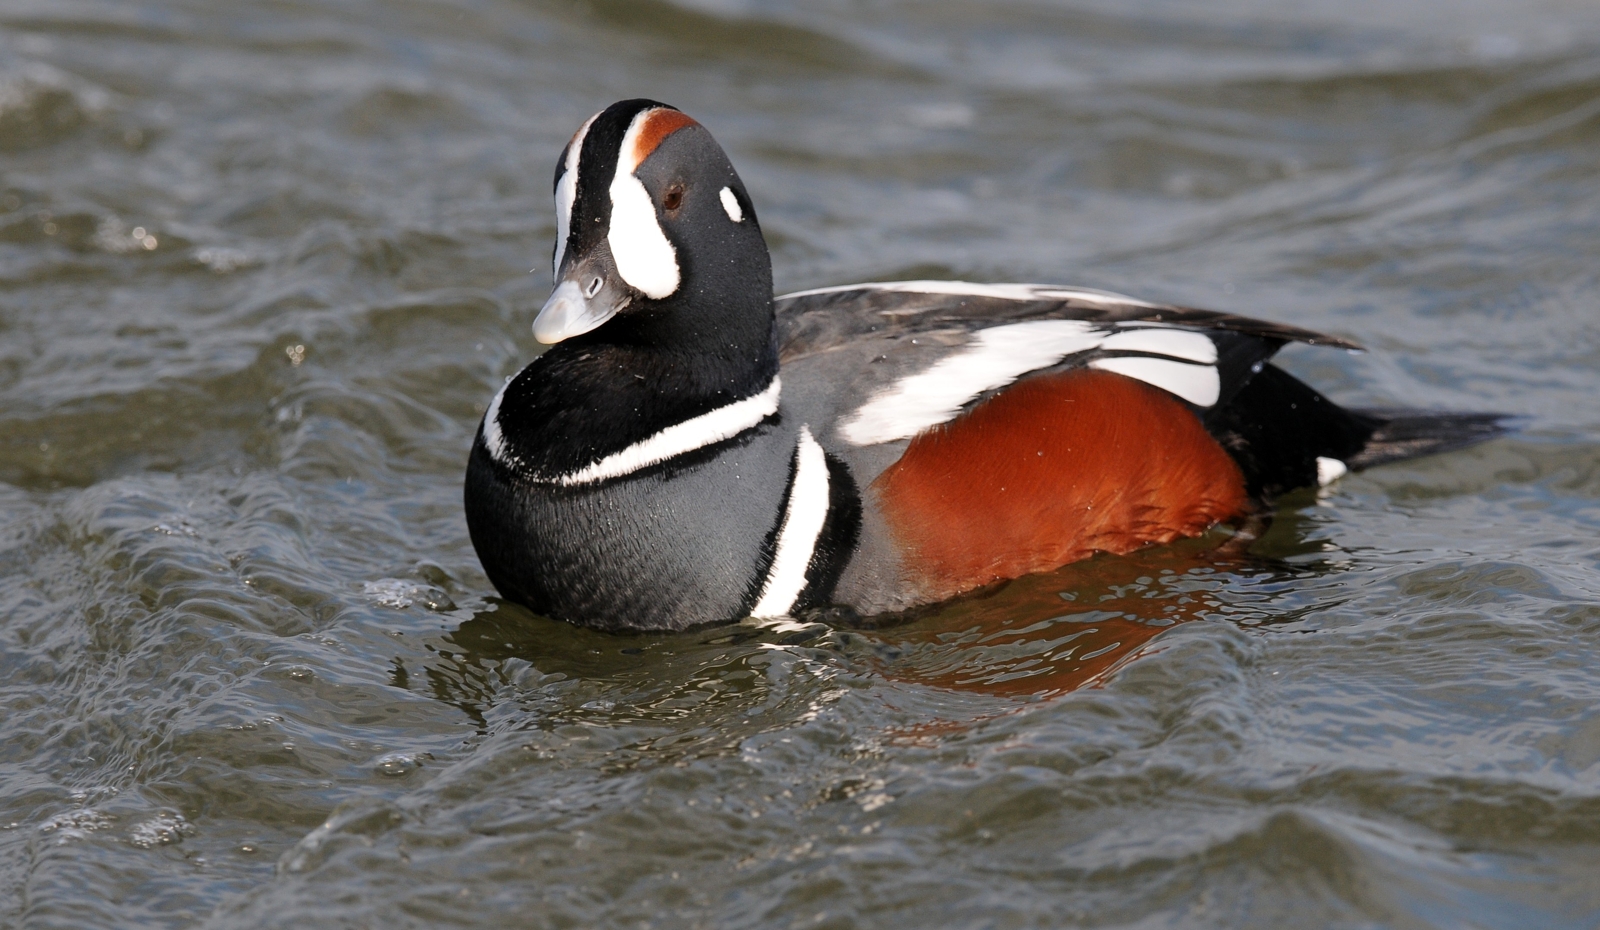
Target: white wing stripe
{"type": "Point", "coordinates": [802, 525]}
{"type": "Point", "coordinates": [1000, 355]}
{"type": "Point", "coordinates": [1173, 343]}
{"type": "Point", "coordinates": [996, 357]}
{"type": "Point", "coordinates": [1197, 384]}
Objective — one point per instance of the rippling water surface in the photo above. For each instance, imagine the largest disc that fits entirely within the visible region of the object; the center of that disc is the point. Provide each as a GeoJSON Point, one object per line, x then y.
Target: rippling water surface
{"type": "Point", "coordinates": [262, 265]}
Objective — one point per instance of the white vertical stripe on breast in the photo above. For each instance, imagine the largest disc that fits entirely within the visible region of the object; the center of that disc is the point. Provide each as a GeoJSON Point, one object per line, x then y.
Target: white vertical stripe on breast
{"type": "Point", "coordinates": [567, 192]}
{"type": "Point", "coordinates": [1330, 470]}
{"type": "Point", "coordinates": [802, 525]}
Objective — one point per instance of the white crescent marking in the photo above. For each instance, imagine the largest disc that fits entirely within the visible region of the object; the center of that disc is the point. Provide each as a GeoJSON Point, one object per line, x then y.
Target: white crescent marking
{"type": "Point", "coordinates": [645, 257]}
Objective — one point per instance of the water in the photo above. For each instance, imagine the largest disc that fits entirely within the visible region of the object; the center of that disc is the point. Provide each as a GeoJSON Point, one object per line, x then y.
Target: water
{"type": "Point", "coordinates": [262, 267]}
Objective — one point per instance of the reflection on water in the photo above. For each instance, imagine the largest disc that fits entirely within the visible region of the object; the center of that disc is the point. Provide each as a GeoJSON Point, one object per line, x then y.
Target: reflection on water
{"type": "Point", "coordinates": [1034, 637]}
{"type": "Point", "coordinates": [1048, 634]}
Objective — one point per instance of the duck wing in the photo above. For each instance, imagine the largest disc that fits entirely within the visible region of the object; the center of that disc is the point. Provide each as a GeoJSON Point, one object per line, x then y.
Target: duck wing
{"type": "Point", "coordinates": [823, 318]}
{"type": "Point", "coordinates": [881, 363]}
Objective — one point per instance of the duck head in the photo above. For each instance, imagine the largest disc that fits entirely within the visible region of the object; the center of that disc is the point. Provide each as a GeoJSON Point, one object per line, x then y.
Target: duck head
{"type": "Point", "coordinates": [657, 243]}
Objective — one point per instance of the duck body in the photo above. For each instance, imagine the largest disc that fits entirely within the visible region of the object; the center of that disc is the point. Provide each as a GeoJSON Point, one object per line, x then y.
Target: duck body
{"type": "Point", "coordinates": [693, 451]}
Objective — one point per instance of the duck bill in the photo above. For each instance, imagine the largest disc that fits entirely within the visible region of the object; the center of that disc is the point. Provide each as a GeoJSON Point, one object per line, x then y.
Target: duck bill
{"type": "Point", "coordinates": [568, 313]}
{"type": "Point", "coordinates": [588, 294]}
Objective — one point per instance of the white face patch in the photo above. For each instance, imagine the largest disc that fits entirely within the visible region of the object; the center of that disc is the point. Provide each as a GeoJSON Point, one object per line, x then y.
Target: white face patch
{"type": "Point", "coordinates": [567, 192]}
{"type": "Point", "coordinates": [645, 257]}
{"type": "Point", "coordinates": [1000, 355]}
{"type": "Point", "coordinates": [730, 205]}
{"type": "Point", "coordinates": [797, 537]}
{"type": "Point", "coordinates": [694, 433]}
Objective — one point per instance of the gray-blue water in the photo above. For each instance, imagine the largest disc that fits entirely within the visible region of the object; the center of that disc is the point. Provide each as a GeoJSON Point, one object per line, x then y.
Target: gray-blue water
{"type": "Point", "coordinates": [262, 265]}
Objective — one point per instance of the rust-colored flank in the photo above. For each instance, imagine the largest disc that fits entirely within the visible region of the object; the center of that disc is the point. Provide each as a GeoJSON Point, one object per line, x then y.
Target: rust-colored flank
{"type": "Point", "coordinates": [658, 124]}
{"type": "Point", "coordinates": [1050, 471]}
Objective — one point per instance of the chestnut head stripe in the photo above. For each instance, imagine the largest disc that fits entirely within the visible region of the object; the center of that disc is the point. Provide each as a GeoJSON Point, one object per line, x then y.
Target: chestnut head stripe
{"type": "Point", "coordinates": [654, 126]}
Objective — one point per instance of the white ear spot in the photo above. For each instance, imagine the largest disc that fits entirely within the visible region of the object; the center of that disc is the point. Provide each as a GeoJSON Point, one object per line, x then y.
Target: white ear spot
{"type": "Point", "coordinates": [730, 205]}
{"type": "Point", "coordinates": [645, 257]}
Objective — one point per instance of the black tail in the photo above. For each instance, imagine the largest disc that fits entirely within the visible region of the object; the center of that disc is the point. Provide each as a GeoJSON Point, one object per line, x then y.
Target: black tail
{"type": "Point", "coordinates": [1276, 428]}
{"type": "Point", "coordinates": [1406, 434]}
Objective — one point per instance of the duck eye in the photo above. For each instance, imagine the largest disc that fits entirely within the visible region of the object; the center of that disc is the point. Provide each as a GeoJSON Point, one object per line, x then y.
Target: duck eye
{"type": "Point", "coordinates": [673, 198]}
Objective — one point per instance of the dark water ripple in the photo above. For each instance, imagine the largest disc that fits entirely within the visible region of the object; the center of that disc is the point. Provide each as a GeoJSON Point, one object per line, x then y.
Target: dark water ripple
{"type": "Point", "coordinates": [260, 268]}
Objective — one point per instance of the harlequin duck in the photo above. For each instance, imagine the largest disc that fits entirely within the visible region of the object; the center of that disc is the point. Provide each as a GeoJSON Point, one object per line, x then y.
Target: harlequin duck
{"type": "Point", "coordinates": [691, 450]}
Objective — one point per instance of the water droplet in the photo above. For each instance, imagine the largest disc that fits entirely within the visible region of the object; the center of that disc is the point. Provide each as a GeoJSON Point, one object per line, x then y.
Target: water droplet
{"type": "Point", "coordinates": [162, 830]}
{"type": "Point", "coordinates": [396, 764]}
